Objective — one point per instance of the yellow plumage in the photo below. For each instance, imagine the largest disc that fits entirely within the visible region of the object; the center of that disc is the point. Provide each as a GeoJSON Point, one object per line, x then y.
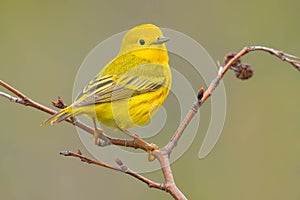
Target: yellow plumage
{"type": "Point", "coordinates": [131, 88]}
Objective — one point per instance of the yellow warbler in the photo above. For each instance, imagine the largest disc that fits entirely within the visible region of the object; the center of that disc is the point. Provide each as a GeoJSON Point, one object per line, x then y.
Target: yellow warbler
{"type": "Point", "coordinates": [131, 88]}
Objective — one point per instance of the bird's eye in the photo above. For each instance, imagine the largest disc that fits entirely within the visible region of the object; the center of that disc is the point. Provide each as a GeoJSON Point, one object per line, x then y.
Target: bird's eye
{"type": "Point", "coordinates": [142, 42]}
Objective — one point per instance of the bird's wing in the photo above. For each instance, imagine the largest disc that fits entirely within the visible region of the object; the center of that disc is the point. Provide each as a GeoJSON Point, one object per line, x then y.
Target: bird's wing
{"type": "Point", "coordinates": [108, 88]}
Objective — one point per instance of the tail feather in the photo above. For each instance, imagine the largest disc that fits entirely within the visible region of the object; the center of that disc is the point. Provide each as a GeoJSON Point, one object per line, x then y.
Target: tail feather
{"type": "Point", "coordinates": [60, 116]}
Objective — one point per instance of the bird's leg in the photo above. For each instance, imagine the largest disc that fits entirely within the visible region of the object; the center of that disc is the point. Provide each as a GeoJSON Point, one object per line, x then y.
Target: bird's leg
{"type": "Point", "coordinates": [149, 147]}
{"type": "Point", "coordinates": [99, 138]}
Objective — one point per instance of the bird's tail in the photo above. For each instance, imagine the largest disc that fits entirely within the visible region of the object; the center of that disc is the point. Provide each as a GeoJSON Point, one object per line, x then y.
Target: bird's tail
{"type": "Point", "coordinates": [62, 115]}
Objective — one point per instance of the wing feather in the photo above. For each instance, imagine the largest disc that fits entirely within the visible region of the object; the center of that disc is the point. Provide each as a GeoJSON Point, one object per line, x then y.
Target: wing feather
{"type": "Point", "coordinates": [108, 88]}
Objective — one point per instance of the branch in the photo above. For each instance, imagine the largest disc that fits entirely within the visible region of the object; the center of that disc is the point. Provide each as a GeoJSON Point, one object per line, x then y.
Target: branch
{"type": "Point", "coordinates": [164, 161]}
{"type": "Point", "coordinates": [24, 100]}
{"type": "Point", "coordinates": [121, 168]}
{"type": "Point", "coordinates": [291, 59]}
{"type": "Point", "coordinates": [232, 61]}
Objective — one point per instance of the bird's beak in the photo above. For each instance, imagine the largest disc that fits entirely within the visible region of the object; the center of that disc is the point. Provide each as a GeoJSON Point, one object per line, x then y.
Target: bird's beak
{"type": "Point", "coordinates": [161, 39]}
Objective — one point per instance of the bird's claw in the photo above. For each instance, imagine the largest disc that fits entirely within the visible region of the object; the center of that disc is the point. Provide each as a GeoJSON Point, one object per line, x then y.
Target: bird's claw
{"type": "Point", "coordinates": [151, 147]}
{"type": "Point", "coordinates": [100, 139]}
{"type": "Point", "coordinates": [148, 147]}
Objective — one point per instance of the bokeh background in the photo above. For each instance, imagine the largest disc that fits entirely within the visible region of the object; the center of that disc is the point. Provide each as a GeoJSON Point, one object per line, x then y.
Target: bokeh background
{"type": "Point", "coordinates": [42, 44]}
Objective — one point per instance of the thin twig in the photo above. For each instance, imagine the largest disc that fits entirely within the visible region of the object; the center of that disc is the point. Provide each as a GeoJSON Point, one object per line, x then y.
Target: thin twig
{"type": "Point", "coordinates": [11, 98]}
{"type": "Point", "coordinates": [291, 59]}
{"type": "Point", "coordinates": [121, 168]}
{"type": "Point", "coordinates": [13, 90]}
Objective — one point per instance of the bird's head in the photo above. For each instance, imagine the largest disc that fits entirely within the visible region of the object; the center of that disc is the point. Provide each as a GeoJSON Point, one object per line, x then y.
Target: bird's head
{"type": "Point", "coordinates": [146, 36]}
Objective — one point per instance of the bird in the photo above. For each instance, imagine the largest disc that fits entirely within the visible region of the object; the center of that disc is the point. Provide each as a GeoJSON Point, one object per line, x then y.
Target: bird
{"type": "Point", "coordinates": [130, 89]}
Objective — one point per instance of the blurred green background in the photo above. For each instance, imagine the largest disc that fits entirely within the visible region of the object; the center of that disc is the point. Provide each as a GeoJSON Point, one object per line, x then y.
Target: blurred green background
{"type": "Point", "coordinates": [42, 44]}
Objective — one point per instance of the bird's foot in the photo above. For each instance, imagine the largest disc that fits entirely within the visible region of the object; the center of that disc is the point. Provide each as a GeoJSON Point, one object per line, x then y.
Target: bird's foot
{"type": "Point", "coordinates": [149, 147]}
{"type": "Point", "coordinates": [100, 139]}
